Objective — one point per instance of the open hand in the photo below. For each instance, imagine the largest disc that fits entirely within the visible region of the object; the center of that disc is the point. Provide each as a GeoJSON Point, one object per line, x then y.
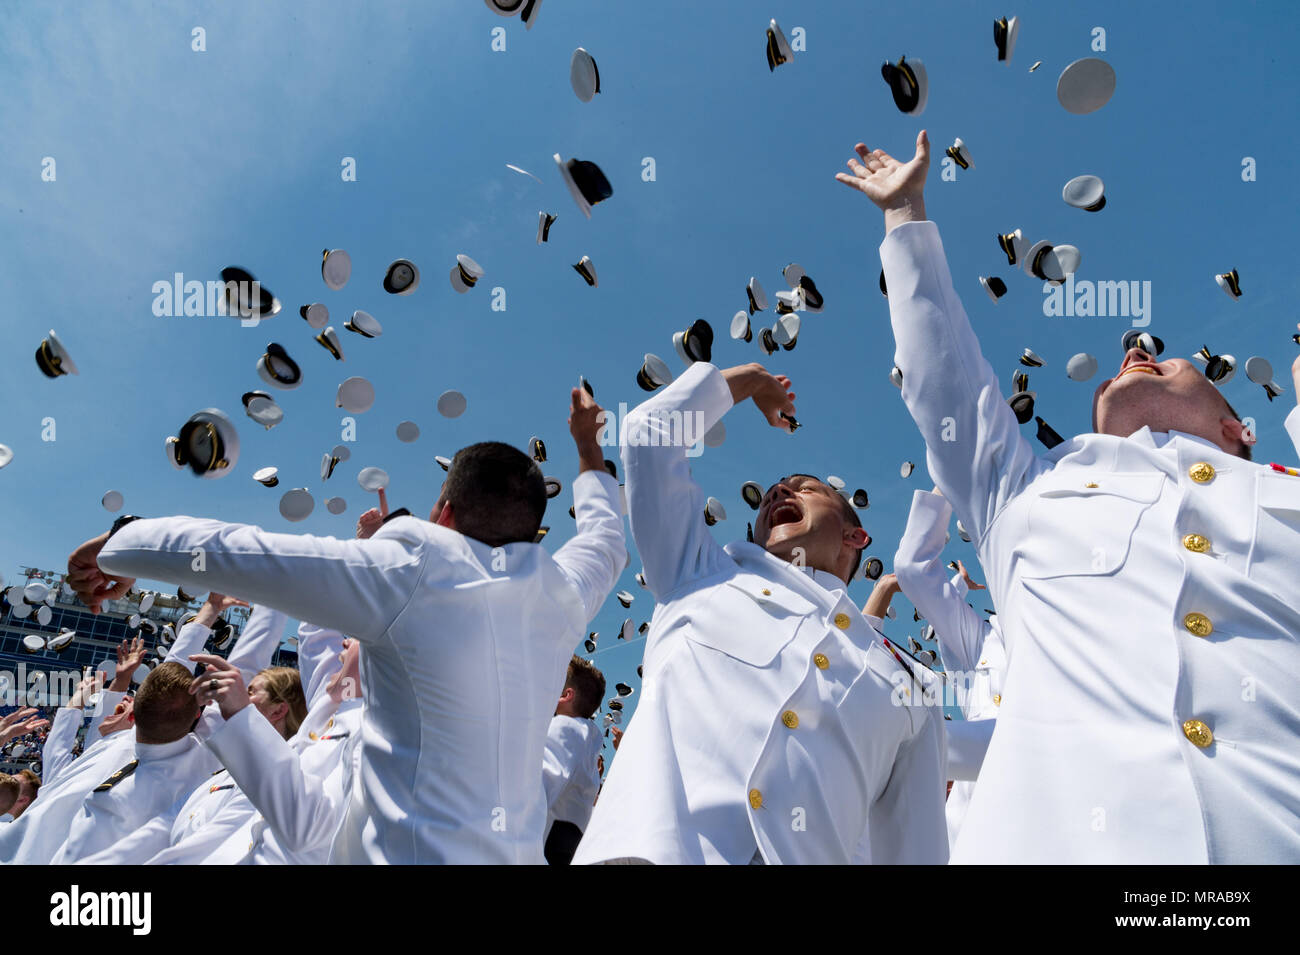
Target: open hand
{"type": "Point", "coordinates": [221, 683]}
{"type": "Point", "coordinates": [91, 585]}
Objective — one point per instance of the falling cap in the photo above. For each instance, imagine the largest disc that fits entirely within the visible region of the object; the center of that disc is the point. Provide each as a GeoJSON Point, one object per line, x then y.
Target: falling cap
{"type": "Point", "coordinates": [1228, 281]}
{"type": "Point", "coordinates": [363, 323]}
{"type": "Point", "coordinates": [1051, 263]}
{"type": "Point", "coordinates": [329, 340]}
{"type": "Point", "coordinates": [537, 449]}
{"type": "Point", "coordinates": [714, 511]}
{"type": "Point", "coordinates": [277, 369]}
{"type": "Point", "coordinates": [1022, 400]}
{"type": "Point", "coordinates": [335, 268]}
{"type": "Point", "coordinates": [752, 493]}
{"type": "Point", "coordinates": [587, 270]}
{"type": "Point", "coordinates": [695, 343]}
{"type": "Point", "coordinates": [654, 373]}
{"type": "Point", "coordinates": [208, 444]}
{"type": "Point", "coordinates": [587, 184]}
{"type": "Point", "coordinates": [372, 479]}
{"type": "Point", "coordinates": [53, 359]}
{"type": "Point", "coordinates": [908, 84]}
{"type": "Point", "coordinates": [757, 296]}
{"type": "Point", "coordinates": [1047, 434]}
{"type": "Point", "coordinates": [1149, 343]}
{"type": "Point", "coordinates": [408, 431]}
{"type": "Point", "coordinates": [269, 477]}
{"type": "Point", "coordinates": [872, 568]}
{"type": "Point", "coordinates": [1004, 35]}
{"type": "Point", "coordinates": [112, 501]}
{"type": "Point", "coordinates": [1085, 192]}
{"type": "Point", "coordinates": [1031, 360]}
{"type": "Point", "coordinates": [740, 328]}
{"type": "Point", "coordinates": [336, 505]}
{"type": "Point", "coordinates": [465, 274]}
{"type": "Point", "coordinates": [1081, 367]}
{"type": "Point", "coordinates": [451, 404]}
{"type": "Point", "coordinates": [237, 295]}
{"type": "Point", "coordinates": [402, 277]}
{"type": "Point", "coordinates": [1260, 371]}
{"type": "Point", "coordinates": [316, 315]}
{"type": "Point", "coordinates": [583, 75]}
{"type": "Point", "coordinates": [296, 505]}
{"type": "Point", "coordinates": [1218, 368]}
{"type": "Point", "coordinates": [1086, 85]}
{"type": "Point", "coordinates": [1014, 245]}
{"type": "Point", "coordinates": [778, 48]}
{"type": "Point", "coordinates": [959, 153]}
{"type": "Point", "coordinates": [261, 407]}
{"type": "Point", "coordinates": [993, 286]}
{"type": "Point", "coordinates": [356, 395]}
{"type": "Point", "coordinates": [544, 222]}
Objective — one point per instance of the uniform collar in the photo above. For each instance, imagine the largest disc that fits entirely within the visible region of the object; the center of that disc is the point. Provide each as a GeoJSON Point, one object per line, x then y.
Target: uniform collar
{"type": "Point", "coordinates": [1158, 439]}
{"type": "Point", "coordinates": [823, 578]}
{"type": "Point", "coordinates": [149, 752]}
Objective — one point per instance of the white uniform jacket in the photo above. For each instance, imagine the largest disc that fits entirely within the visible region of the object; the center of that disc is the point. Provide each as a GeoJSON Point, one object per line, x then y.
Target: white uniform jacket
{"type": "Point", "coordinates": [464, 651]}
{"type": "Point", "coordinates": [1148, 591]}
{"type": "Point", "coordinates": [570, 771]}
{"type": "Point", "coordinates": [769, 718]}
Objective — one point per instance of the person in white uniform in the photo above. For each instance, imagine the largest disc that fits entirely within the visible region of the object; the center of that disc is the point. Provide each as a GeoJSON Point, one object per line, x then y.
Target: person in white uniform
{"type": "Point", "coordinates": [767, 728]}
{"type": "Point", "coordinates": [1145, 576]}
{"type": "Point", "coordinates": [571, 766]}
{"type": "Point", "coordinates": [970, 646]}
{"type": "Point", "coordinates": [466, 626]}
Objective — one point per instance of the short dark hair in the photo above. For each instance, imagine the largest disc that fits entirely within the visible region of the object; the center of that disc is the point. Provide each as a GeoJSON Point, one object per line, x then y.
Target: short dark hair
{"type": "Point", "coordinates": [1243, 448]}
{"type": "Point", "coordinates": [9, 791]}
{"type": "Point", "coordinates": [497, 494]}
{"type": "Point", "coordinates": [164, 708]}
{"type": "Point", "coordinates": [850, 515]}
{"type": "Point", "coordinates": [588, 685]}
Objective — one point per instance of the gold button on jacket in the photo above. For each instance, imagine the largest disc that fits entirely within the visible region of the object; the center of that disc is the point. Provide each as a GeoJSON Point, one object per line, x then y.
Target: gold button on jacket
{"type": "Point", "coordinates": [842, 621]}
{"type": "Point", "coordinates": [1198, 624]}
{"type": "Point", "coordinates": [1201, 471]}
{"type": "Point", "coordinates": [997, 699]}
{"type": "Point", "coordinates": [790, 718]}
{"type": "Point", "coordinates": [755, 799]}
{"type": "Point", "coordinates": [1198, 733]}
{"type": "Point", "coordinates": [1196, 543]}
{"type": "Point", "coordinates": [821, 661]}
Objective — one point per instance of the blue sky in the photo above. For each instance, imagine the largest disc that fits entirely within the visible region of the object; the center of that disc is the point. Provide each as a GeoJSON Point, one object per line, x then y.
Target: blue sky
{"type": "Point", "coordinates": [170, 160]}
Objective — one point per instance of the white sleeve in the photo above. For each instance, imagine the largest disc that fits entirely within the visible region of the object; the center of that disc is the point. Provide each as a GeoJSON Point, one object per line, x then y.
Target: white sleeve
{"type": "Point", "coordinates": [138, 846]}
{"type": "Point", "coordinates": [318, 659]}
{"type": "Point", "coordinates": [959, 629]}
{"type": "Point", "coordinates": [192, 639]}
{"type": "Point", "coordinates": [665, 505]}
{"type": "Point", "coordinates": [565, 743]}
{"type": "Point", "coordinates": [108, 700]}
{"type": "Point", "coordinates": [300, 807]}
{"type": "Point", "coordinates": [593, 559]}
{"type": "Point", "coordinates": [356, 586]}
{"type": "Point", "coordinates": [968, 741]}
{"type": "Point", "coordinates": [257, 641]}
{"type": "Point", "coordinates": [1292, 425]}
{"type": "Point", "coordinates": [976, 454]}
{"type": "Point", "coordinates": [56, 755]}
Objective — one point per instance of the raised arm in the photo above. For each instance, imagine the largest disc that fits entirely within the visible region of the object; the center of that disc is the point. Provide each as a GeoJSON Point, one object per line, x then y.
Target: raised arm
{"type": "Point", "coordinates": [665, 505]}
{"type": "Point", "coordinates": [355, 586]}
{"type": "Point", "coordinates": [597, 554]}
{"type": "Point", "coordinates": [976, 453]}
{"type": "Point", "coordinates": [257, 641]}
{"type": "Point", "coordinates": [960, 630]}
{"type": "Point", "coordinates": [56, 754]}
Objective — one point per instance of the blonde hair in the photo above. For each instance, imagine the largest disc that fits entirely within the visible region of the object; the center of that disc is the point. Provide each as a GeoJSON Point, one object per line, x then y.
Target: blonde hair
{"type": "Point", "coordinates": [8, 792]}
{"type": "Point", "coordinates": [284, 685]}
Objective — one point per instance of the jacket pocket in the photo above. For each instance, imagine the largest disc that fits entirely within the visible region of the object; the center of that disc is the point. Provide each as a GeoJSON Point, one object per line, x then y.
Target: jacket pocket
{"type": "Point", "coordinates": [1082, 524]}
{"type": "Point", "coordinates": [748, 618]}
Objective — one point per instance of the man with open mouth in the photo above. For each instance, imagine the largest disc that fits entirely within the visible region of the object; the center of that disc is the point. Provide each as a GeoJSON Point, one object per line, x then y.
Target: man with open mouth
{"type": "Point", "coordinates": [1146, 581]}
{"type": "Point", "coordinates": [774, 725]}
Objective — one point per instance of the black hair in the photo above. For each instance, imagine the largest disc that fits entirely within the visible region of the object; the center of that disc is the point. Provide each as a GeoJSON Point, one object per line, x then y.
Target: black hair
{"type": "Point", "coordinates": [497, 494]}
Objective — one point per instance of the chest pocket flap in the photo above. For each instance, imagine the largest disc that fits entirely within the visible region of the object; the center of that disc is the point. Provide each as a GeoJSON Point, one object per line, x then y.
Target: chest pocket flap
{"type": "Point", "coordinates": [748, 618]}
{"type": "Point", "coordinates": [1081, 522]}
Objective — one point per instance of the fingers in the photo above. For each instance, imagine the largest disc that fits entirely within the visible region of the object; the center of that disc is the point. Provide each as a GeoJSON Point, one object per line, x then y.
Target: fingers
{"type": "Point", "coordinates": [214, 663]}
{"type": "Point", "coordinates": [922, 146]}
{"type": "Point", "coordinates": [383, 503]}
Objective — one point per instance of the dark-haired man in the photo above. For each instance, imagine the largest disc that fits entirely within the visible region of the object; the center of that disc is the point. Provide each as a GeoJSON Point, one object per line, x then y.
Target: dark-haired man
{"type": "Point", "coordinates": [466, 627]}
{"type": "Point", "coordinates": [1146, 581]}
{"type": "Point", "coordinates": [570, 768]}
{"type": "Point", "coordinates": [769, 727]}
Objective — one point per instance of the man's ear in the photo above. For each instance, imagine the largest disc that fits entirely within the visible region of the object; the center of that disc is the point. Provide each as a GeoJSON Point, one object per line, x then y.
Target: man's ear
{"type": "Point", "coordinates": [279, 712]}
{"type": "Point", "coordinates": [568, 695]}
{"type": "Point", "coordinates": [1234, 432]}
{"type": "Point", "coordinates": [856, 537]}
{"type": "Point", "coordinates": [444, 517]}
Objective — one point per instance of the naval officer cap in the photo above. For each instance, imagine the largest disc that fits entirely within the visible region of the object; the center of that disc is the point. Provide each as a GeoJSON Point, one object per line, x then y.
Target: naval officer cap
{"type": "Point", "coordinates": [465, 274]}
{"type": "Point", "coordinates": [587, 184]}
{"type": "Point", "coordinates": [267, 477]}
{"type": "Point", "coordinates": [44, 615]}
{"type": "Point", "coordinates": [1005, 32]}
{"type": "Point", "coordinates": [544, 222]}
{"type": "Point", "coordinates": [896, 377]}
{"type": "Point", "coordinates": [615, 704]}
{"type": "Point", "coordinates": [587, 269]}
{"type": "Point", "coordinates": [786, 331]}
{"type": "Point", "coordinates": [740, 327]}
{"type": "Point", "coordinates": [1047, 434]}
{"type": "Point", "coordinates": [36, 591]}
{"type": "Point", "coordinates": [860, 499]}
{"type": "Point", "coordinates": [639, 577]}
{"type": "Point", "coordinates": [408, 431]}
{"type": "Point", "coordinates": [402, 277]}
{"type": "Point", "coordinates": [451, 404]}
{"type": "Point", "coordinates": [714, 511]}
{"type": "Point", "coordinates": [583, 75]}
{"type": "Point", "coordinates": [364, 324]}
{"type": "Point", "coordinates": [993, 287]}
{"type": "Point", "coordinates": [872, 568]}
{"type": "Point", "coordinates": [329, 340]}
{"type": "Point", "coordinates": [336, 505]}
{"type": "Point", "coordinates": [590, 643]}
{"type": "Point", "coordinates": [443, 462]}
{"type": "Point", "coordinates": [752, 494]}
{"type": "Point", "coordinates": [1149, 343]}
{"type": "Point", "coordinates": [695, 343]}
{"type": "Point", "coordinates": [1260, 371]}
{"type": "Point", "coordinates": [1228, 281]}
{"type": "Point", "coordinates": [316, 315]}
{"type": "Point", "coordinates": [959, 153]}
{"type": "Point", "coordinates": [654, 373]}
{"type": "Point", "coordinates": [61, 642]}
{"type": "Point", "coordinates": [908, 84]}
{"type": "Point", "coordinates": [624, 597]}
{"type": "Point", "coordinates": [335, 268]}
{"type": "Point", "coordinates": [296, 505]}
{"type": "Point", "coordinates": [767, 342]}
{"type": "Point", "coordinates": [372, 479]}
{"type": "Point", "coordinates": [1218, 368]}
{"type": "Point", "coordinates": [261, 407]}
{"type": "Point", "coordinates": [1081, 367]}
{"type": "Point", "coordinates": [778, 47]}
{"type": "Point", "coordinates": [277, 369]}
{"type": "Point", "coordinates": [537, 449]}
{"type": "Point", "coordinates": [1085, 85]}
{"type": "Point", "coordinates": [1030, 359]}
{"type": "Point", "coordinates": [623, 689]}
{"type": "Point", "coordinates": [553, 487]}
{"type": "Point", "coordinates": [33, 643]}
{"type": "Point", "coordinates": [112, 501]}
{"type": "Point", "coordinates": [1085, 192]}
{"type": "Point", "coordinates": [905, 470]}
{"type": "Point", "coordinates": [327, 465]}
{"type": "Point", "coordinates": [757, 296]}
{"type": "Point", "coordinates": [6, 454]}
{"type": "Point", "coordinates": [625, 632]}
{"type": "Point", "coordinates": [1022, 400]}
{"type": "Point", "coordinates": [541, 533]}
{"type": "Point", "coordinates": [1014, 246]}
{"type": "Point", "coordinates": [962, 532]}
{"type": "Point", "coordinates": [1051, 263]}
{"type": "Point", "coordinates": [835, 482]}
{"type": "Point", "coordinates": [526, 10]}
{"type": "Point", "coordinates": [356, 395]}
{"type": "Point", "coordinates": [52, 357]}
{"type": "Point", "coordinates": [133, 621]}
{"type": "Point", "coordinates": [238, 295]}
{"type": "Point", "coordinates": [207, 444]}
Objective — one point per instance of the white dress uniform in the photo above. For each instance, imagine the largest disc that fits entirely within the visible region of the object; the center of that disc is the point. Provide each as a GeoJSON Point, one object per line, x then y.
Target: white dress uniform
{"type": "Point", "coordinates": [56, 754]}
{"type": "Point", "coordinates": [1147, 590]}
{"type": "Point", "coordinates": [464, 651]}
{"type": "Point", "coordinates": [767, 723]}
{"type": "Point", "coordinates": [970, 646]}
{"type": "Point", "coordinates": [570, 770]}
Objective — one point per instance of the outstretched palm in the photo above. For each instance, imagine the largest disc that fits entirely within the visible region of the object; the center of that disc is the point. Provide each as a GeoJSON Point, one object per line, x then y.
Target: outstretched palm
{"type": "Point", "coordinates": [886, 181]}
